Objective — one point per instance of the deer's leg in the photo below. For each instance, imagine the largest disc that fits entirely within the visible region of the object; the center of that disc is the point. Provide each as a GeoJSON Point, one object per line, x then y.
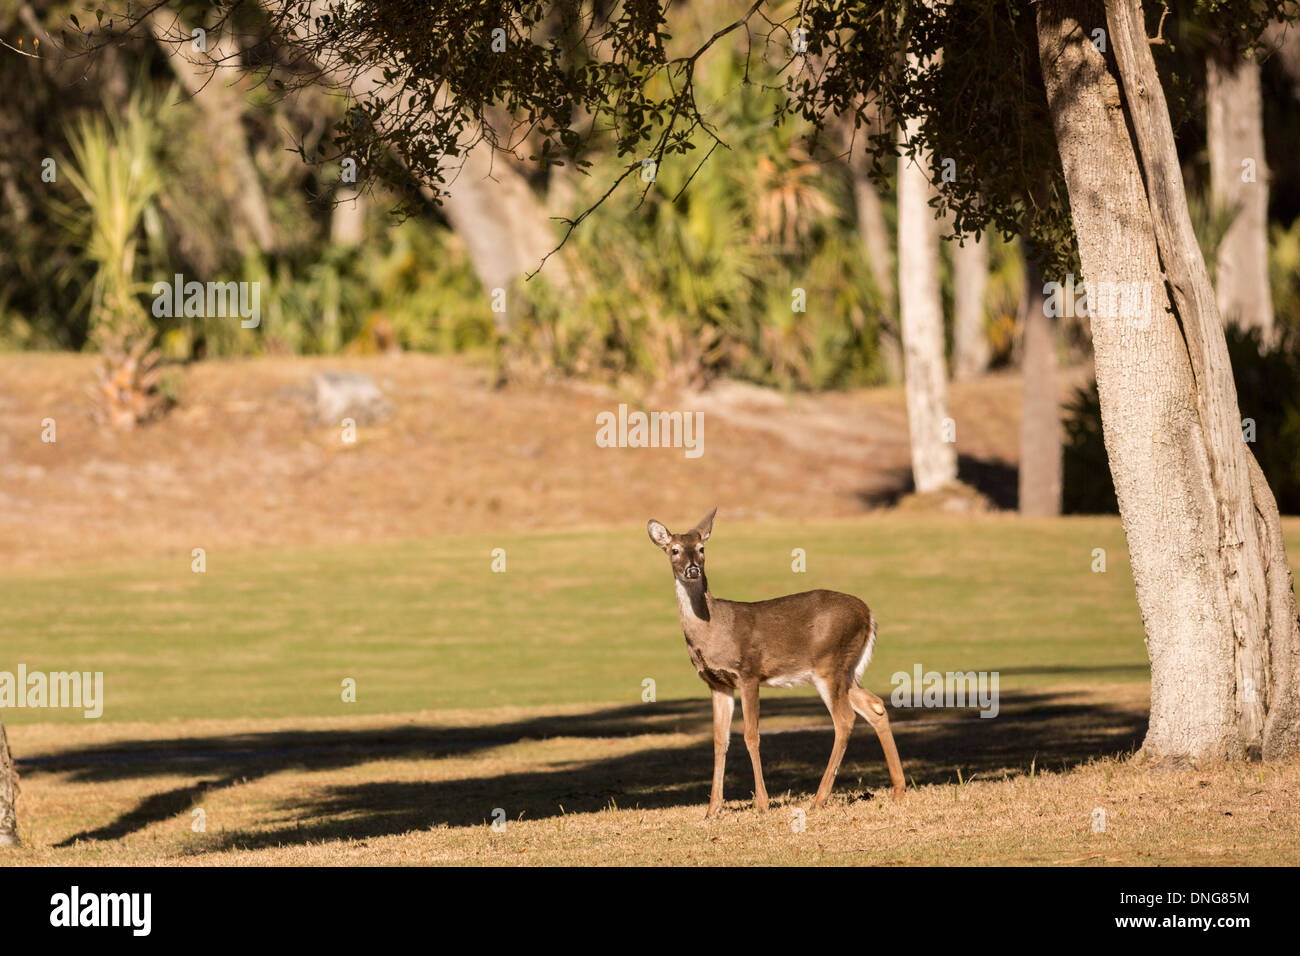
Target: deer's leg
{"type": "Point", "coordinates": [837, 702]}
{"type": "Point", "coordinates": [749, 704]}
{"type": "Point", "coordinates": [724, 704]}
{"type": "Point", "coordinates": [873, 709]}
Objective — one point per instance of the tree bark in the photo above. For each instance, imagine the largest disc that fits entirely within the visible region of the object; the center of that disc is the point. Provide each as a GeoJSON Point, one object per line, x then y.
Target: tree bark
{"type": "Point", "coordinates": [1204, 537]}
{"type": "Point", "coordinates": [8, 791]}
{"type": "Point", "coordinates": [1040, 421]}
{"type": "Point", "coordinates": [222, 106]}
{"type": "Point", "coordinates": [934, 460]}
{"type": "Point", "coordinates": [1239, 186]}
{"type": "Point", "coordinates": [970, 279]}
{"type": "Point", "coordinates": [503, 224]}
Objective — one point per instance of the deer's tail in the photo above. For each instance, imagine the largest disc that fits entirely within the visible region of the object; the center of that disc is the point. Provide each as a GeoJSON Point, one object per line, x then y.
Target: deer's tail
{"type": "Point", "coordinates": [867, 651]}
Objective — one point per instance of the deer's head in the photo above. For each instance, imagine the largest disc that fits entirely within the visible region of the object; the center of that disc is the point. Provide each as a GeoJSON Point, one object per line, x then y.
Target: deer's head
{"type": "Point", "coordinates": [685, 551]}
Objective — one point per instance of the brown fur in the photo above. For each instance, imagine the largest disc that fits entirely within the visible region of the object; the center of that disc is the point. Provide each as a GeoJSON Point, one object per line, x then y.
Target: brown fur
{"type": "Point", "coordinates": [817, 637]}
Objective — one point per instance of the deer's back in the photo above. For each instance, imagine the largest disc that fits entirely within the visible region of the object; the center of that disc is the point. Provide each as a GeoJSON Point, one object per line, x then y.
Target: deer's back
{"type": "Point", "coordinates": [789, 640]}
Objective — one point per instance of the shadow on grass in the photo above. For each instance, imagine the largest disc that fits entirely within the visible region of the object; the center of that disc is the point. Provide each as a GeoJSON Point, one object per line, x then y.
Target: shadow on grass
{"type": "Point", "coordinates": [1045, 729]}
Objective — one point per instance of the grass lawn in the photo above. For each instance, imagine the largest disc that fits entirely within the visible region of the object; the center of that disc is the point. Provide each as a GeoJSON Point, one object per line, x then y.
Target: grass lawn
{"type": "Point", "coordinates": [577, 617]}
{"type": "Point", "coordinates": [522, 692]}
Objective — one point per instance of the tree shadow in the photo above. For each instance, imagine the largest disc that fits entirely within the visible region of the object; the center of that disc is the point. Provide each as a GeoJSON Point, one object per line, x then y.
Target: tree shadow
{"type": "Point", "coordinates": [994, 478]}
{"type": "Point", "coordinates": [1046, 729]}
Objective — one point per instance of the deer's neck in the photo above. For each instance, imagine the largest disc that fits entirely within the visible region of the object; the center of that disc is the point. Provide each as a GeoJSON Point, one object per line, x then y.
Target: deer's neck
{"type": "Point", "coordinates": [693, 600]}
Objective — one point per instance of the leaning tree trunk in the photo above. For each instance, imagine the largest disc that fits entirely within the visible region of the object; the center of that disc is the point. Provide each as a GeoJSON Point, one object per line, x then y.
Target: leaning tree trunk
{"type": "Point", "coordinates": [8, 789]}
{"type": "Point", "coordinates": [222, 107]}
{"type": "Point", "coordinates": [491, 208]}
{"type": "Point", "coordinates": [1203, 531]}
{"type": "Point", "coordinates": [503, 224]}
{"type": "Point", "coordinates": [970, 279]}
{"type": "Point", "coordinates": [934, 459]}
{"type": "Point", "coordinates": [1040, 415]}
{"type": "Point", "coordinates": [1239, 186]}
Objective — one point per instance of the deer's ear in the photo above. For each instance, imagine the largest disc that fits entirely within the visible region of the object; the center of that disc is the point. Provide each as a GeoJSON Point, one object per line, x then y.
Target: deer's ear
{"type": "Point", "coordinates": [658, 533]}
{"type": "Point", "coordinates": [705, 527]}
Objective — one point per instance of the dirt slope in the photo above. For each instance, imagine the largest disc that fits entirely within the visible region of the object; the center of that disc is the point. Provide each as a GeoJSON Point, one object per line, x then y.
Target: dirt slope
{"type": "Point", "coordinates": [239, 463]}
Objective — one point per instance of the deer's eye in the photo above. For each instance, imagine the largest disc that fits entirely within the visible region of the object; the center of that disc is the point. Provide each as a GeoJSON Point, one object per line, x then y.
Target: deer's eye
{"type": "Point", "coordinates": [701, 550]}
{"type": "Point", "coordinates": [677, 550]}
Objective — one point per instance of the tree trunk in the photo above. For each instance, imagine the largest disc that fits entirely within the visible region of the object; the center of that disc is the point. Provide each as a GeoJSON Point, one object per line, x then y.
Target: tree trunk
{"type": "Point", "coordinates": [875, 242]}
{"type": "Point", "coordinates": [489, 204]}
{"type": "Point", "coordinates": [223, 107]}
{"type": "Point", "coordinates": [1239, 185]}
{"type": "Point", "coordinates": [1040, 413]}
{"type": "Point", "coordinates": [348, 217]}
{"type": "Point", "coordinates": [875, 235]}
{"type": "Point", "coordinates": [1204, 536]}
{"type": "Point", "coordinates": [8, 790]}
{"type": "Point", "coordinates": [503, 224]}
{"type": "Point", "coordinates": [934, 460]}
{"type": "Point", "coordinates": [970, 279]}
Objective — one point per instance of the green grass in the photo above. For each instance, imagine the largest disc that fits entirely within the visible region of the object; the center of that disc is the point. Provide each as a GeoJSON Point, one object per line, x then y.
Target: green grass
{"type": "Point", "coordinates": [577, 617]}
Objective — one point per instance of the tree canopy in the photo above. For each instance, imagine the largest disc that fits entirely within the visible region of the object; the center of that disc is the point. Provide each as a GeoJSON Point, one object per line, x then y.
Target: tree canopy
{"type": "Point", "coordinates": [545, 80]}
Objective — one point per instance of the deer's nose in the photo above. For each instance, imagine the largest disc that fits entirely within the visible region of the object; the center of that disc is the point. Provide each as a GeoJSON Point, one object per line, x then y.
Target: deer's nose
{"type": "Point", "coordinates": [692, 570]}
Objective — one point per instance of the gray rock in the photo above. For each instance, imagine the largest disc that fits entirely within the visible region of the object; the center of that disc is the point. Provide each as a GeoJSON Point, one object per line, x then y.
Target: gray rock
{"type": "Point", "coordinates": [339, 395]}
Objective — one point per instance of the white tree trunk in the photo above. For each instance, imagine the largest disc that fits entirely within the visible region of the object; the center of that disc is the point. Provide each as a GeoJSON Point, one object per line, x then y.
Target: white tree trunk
{"type": "Point", "coordinates": [970, 279]}
{"type": "Point", "coordinates": [1040, 413]}
{"type": "Point", "coordinates": [1239, 186]}
{"type": "Point", "coordinates": [348, 217]}
{"type": "Point", "coordinates": [934, 459]}
{"type": "Point", "coordinates": [1204, 538]}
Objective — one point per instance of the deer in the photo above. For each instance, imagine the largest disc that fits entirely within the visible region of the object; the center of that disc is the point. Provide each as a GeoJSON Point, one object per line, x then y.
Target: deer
{"type": "Point", "coordinates": [823, 638]}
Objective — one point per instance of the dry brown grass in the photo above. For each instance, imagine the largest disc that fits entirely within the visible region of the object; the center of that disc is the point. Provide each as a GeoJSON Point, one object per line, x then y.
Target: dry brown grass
{"type": "Point", "coordinates": [621, 785]}
{"type": "Point", "coordinates": [238, 465]}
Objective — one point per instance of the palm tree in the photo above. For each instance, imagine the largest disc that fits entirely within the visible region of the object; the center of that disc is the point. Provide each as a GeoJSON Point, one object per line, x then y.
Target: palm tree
{"type": "Point", "coordinates": [115, 172]}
